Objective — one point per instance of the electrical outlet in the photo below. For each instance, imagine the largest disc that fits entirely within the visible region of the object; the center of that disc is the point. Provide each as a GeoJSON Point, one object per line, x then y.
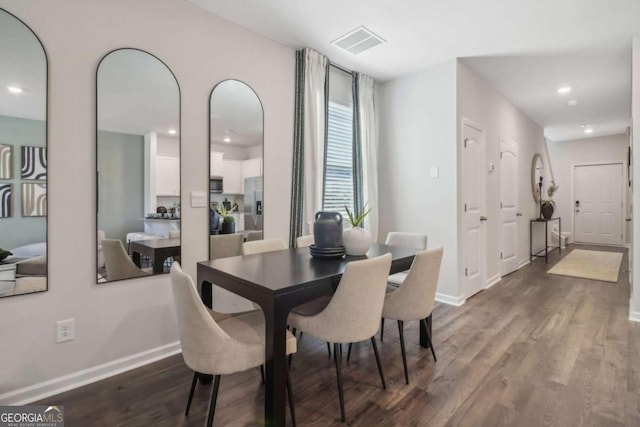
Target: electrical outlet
{"type": "Point", "coordinates": [65, 330]}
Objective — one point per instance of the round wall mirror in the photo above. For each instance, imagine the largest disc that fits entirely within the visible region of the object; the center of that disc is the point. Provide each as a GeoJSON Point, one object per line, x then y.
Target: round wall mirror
{"type": "Point", "coordinates": [537, 173]}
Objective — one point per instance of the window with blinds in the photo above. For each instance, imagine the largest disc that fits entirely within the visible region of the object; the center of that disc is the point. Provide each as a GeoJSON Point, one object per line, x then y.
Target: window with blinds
{"type": "Point", "coordinates": [338, 185]}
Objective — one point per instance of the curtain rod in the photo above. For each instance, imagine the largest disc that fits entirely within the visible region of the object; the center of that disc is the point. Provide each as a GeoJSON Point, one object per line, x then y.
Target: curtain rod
{"type": "Point", "coordinates": [341, 68]}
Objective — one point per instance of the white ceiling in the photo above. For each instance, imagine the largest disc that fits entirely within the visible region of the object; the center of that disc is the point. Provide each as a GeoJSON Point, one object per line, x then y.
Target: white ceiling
{"type": "Point", "coordinates": [137, 94]}
{"type": "Point", "coordinates": [524, 48]}
{"type": "Point", "coordinates": [22, 64]}
{"type": "Point", "coordinates": [236, 113]}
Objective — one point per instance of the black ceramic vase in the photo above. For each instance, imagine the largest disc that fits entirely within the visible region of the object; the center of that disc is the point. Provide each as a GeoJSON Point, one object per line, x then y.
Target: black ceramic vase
{"type": "Point", "coordinates": [547, 211]}
{"type": "Point", "coordinates": [228, 227]}
{"type": "Point", "coordinates": [327, 230]}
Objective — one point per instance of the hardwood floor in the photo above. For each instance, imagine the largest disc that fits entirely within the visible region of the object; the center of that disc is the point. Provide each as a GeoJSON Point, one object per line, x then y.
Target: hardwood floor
{"type": "Point", "coordinates": [533, 350]}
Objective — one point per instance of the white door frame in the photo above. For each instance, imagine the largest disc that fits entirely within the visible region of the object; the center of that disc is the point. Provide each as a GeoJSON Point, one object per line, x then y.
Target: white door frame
{"type": "Point", "coordinates": [623, 198]}
{"type": "Point", "coordinates": [483, 260]}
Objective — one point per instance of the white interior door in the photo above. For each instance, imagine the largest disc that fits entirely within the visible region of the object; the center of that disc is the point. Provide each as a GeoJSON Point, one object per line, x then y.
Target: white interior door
{"type": "Point", "coordinates": [508, 206]}
{"type": "Point", "coordinates": [598, 204]}
{"type": "Point", "coordinates": [473, 194]}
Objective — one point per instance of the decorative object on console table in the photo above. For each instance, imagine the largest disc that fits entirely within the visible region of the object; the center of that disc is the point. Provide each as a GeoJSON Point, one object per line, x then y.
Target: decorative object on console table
{"type": "Point", "coordinates": [540, 197]}
{"type": "Point", "coordinates": [356, 239]}
{"type": "Point", "coordinates": [547, 206]}
{"type": "Point", "coordinates": [228, 221]}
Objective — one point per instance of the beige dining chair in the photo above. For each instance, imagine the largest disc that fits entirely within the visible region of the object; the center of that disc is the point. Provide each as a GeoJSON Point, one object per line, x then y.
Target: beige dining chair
{"type": "Point", "coordinates": [117, 262]}
{"type": "Point", "coordinates": [174, 234]}
{"type": "Point", "coordinates": [351, 315]}
{"type": "Point", "coordinates": [260, 246]}
{"type": "Point", "coordinates": [217, 348]}
{"type": "Point", "coordinates": [409, 240]}
{"type": "Point", "coordinates": [414, 300]}
{"type": "Point", "coordinates": [225, 245]}
{"type": "Point", "coordinates": [304, 241]}
{"type": "Point", "coordinates": [254, 235]}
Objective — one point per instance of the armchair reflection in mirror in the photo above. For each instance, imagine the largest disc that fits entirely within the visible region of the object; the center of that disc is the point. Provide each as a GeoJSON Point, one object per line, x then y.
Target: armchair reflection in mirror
{"type": "Point", "coordinates": [23, 159]}
{"type": "Point", "coordinates": [138, 166]}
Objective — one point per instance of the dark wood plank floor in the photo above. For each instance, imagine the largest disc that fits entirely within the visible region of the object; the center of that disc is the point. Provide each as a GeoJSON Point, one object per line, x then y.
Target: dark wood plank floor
{"type": "Point", "coordinates": [534, 350]}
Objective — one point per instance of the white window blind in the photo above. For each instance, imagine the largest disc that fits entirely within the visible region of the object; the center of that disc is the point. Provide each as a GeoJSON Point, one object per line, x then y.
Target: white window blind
{"type": "Point", "coordinates": [338, 186]}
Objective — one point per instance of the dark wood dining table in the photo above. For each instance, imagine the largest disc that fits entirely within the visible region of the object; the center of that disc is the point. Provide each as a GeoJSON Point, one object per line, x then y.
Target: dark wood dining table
{"type": "Point", "coordinates": [158, 250]}
{"type": "Point", "coordinates": [279, 281]}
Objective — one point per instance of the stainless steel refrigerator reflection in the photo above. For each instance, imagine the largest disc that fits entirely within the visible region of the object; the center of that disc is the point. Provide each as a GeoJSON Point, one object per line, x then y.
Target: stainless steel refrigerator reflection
{"type": "Point", "coordinates": [253, 203]}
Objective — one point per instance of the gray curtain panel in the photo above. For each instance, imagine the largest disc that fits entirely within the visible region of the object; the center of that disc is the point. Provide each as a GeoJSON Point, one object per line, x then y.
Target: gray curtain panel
{"type": "Point", "coordinates": [357, 147]}
{"type": "Point", "coordinates": [297, 182]}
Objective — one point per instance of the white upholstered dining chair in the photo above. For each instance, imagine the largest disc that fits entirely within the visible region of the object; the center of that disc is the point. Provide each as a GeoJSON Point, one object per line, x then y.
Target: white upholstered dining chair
{"type": "Point", "coordinates": [261, 246]}
{"type": "Point", "coordinates": [305, 241]}
{"type": "Point", "coordinates": [225, 245]}
{"type": "Point", "coordinates": [414, 300]}
{"type": "Point", "coordinates": [351, 315]}
{"type": "Point", "coordinates": [212, 347]}
{"type": "Point", "coordinates": [117, 262]}
{"type": "Point", "coordinates": [409, 240]}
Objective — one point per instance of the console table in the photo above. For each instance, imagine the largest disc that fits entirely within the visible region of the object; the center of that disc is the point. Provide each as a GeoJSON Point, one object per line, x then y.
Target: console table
{"type": "Point", "coordinates": [547, 249]}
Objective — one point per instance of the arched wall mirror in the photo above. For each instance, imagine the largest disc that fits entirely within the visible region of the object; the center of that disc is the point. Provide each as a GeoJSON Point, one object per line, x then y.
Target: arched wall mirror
{"type": "Point", "coordinates": [236, 164]}
{"type": "Point", "coordinates": [23, 159]}
{"type": "Point", "coordinates": [138, 166]}
{"type": "Point", "coordinates": [537, 174]}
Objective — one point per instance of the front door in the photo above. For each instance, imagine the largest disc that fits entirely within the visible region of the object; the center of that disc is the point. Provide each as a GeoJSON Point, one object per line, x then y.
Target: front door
{"type": "Point", "coordinates": [598, 204]}
{"type": "Point", "coordinates": [473, 194]}
{"type": "Point", "coordinates": [508, 206]}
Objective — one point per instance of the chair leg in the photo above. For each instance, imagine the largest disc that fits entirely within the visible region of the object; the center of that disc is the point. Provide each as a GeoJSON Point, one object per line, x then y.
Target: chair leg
{"type": "Point", "coordinates": [329, 349]}
{"type": "Point", "coordinates": [349, 352]}
{"type": "Point", "coordinates": [338, 360]}
{"type": "Point", "coordinates": [290, 359]}
{"type": "Point", "coordinates": [262, 373]}
{"type": "Point", "coordinates": [375, 350]}
{"type": "Point", "coordinates": [426, 328]}
{"type": "Point", "coordinates": [214, 398]}
{"type": "Point", "coordinates": [290, 394]}
{"type": "Point", "coordinates": [381, 329]}
{"type": "Point", "coordinates": [193, 388]}
{"type": "Point", "coordinates": [404, 352]}
{"type": "Point", "coordinates": [293, 331]}
{"type": "Point", "coordinates": [301, 333]}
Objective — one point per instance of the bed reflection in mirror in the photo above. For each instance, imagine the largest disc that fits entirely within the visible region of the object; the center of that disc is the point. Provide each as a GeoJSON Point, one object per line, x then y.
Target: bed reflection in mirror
{"type": "Point", "coordinates": [23, 159]}
{"type": "Point", "coordinates": [138, 166]}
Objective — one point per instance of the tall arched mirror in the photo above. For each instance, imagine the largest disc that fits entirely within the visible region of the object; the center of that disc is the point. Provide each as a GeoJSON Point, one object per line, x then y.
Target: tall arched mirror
{"type": "Point", "coordinates": [23, 159]}
{"type": "Point", "coordinates": [138, 166]}
{"type": "Point", "coordinates": [236, 158]}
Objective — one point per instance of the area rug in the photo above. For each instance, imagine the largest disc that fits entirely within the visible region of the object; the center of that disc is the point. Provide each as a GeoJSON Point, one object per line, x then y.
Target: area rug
{"type": "Point", "coordinates": [595, 265]}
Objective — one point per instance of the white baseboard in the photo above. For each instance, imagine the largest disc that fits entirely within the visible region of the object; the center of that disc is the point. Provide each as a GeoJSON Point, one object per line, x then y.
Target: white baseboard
{"type": "Point", "coordinates": [524, 262]}
{"type": "Point", "coordinates": [64, 383]}
{"type": "Point", "coordinates": [634, 316]}
{"type": "Point", "coordinates": [448, 299]}
{"type": "Point", "coordinates": [492, 281]}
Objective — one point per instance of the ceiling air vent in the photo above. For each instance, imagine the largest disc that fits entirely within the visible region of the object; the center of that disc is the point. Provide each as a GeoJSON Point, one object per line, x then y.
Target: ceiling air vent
{"type": "Point", "coordinates": [358, 40]}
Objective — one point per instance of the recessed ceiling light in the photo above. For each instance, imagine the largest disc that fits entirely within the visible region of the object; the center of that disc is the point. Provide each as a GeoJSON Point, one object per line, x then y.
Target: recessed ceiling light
{"type": "Point", "coordinates": [172, 131]}
{"type": "Point", "coordinates": [227, 139]}
{"type": "Point", "coordinates": [588, 130]}
{"type": "Point", "coordinates": [573, 102]}
{"type": "Point", "coordinates": [564, 89]}
{"type": "Point", "coordinates": [14, 89]}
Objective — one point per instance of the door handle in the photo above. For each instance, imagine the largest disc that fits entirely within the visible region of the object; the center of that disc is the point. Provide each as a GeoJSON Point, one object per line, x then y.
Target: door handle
{"type": "Point", "coordinates": [628, 219]}
{"type": "Point", "coordinates": [483, 218]}
{"type": "Point", "coordinates": [518, 213]}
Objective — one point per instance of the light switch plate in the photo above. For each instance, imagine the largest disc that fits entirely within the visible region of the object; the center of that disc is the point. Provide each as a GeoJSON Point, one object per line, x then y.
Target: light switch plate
{"type": "Point", "coordinates": [435, 171]}
{"type": "Point", "coordinates": [198, 199]}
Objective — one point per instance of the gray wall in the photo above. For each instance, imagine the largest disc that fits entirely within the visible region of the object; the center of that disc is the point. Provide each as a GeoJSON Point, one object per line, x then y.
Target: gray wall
{"type": "Point", "coordinates": [18, 230]}
{"type": "Point", "coordinates": [121, 184]}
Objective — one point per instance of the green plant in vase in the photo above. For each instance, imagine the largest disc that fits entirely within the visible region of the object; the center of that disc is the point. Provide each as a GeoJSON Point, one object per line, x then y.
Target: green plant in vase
{"type": "Point", "coordinates": [228, 221]}
{"type": "Point", "coordinates": [356, 239]}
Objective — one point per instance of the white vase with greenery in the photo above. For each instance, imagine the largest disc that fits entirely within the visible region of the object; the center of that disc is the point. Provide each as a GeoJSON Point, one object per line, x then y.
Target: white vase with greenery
{"type": "Point", "coordinates": [356, 240]}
